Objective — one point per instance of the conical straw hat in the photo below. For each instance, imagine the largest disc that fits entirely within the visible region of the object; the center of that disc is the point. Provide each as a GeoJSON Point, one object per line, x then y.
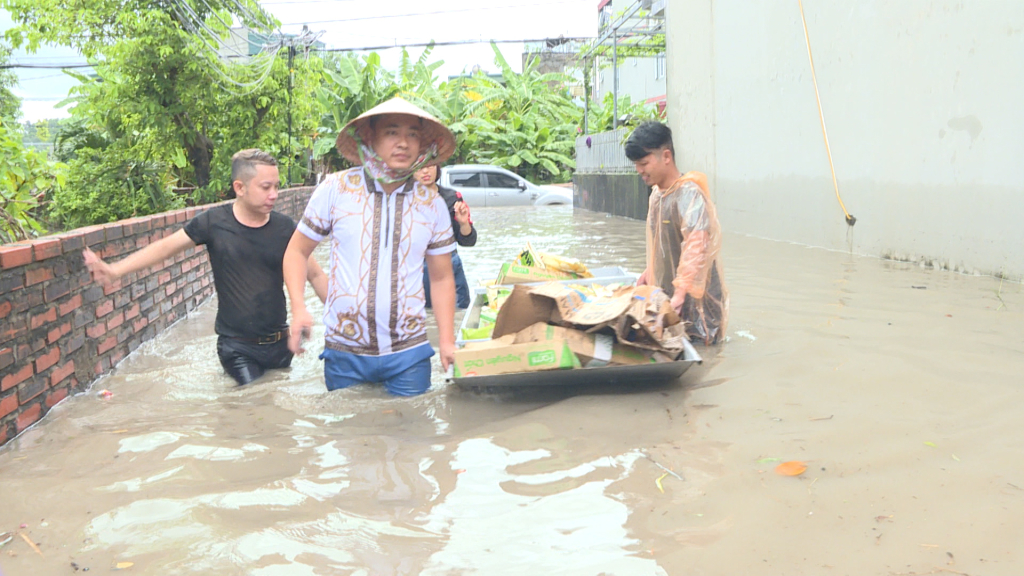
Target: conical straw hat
{"type": "Point", "coordinates": [432, 132]}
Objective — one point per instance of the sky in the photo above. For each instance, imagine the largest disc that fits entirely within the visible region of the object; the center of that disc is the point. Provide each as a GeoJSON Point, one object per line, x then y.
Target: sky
{"type": "Point", "coordinates": [361, 23]}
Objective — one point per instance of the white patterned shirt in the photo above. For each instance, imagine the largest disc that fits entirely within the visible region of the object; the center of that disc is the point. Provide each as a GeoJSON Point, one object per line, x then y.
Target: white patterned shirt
{"type": "Point", "coordinates": [375, 303]}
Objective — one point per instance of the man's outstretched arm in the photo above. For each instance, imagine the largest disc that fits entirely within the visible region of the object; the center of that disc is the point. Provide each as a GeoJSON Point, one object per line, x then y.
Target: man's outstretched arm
{"type": "Point", "coordinates": [155, 253]}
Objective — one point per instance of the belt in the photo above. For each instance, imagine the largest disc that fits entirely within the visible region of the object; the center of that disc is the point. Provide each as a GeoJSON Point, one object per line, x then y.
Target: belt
{"type": "Point", "coordinates": [269, 339]}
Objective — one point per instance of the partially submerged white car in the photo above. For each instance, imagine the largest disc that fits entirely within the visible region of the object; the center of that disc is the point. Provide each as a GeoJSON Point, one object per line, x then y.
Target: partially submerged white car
{"type": "Point", "coordinates": [483, 185]}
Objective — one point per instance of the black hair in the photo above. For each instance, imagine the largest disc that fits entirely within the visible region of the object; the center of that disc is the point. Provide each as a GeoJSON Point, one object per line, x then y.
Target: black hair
{"type": "Point", "coordinates": [649, 137]}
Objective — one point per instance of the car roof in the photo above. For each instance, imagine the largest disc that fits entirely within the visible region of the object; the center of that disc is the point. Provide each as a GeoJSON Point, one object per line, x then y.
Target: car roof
{"type": "Point", "coordinates": [481, 167]}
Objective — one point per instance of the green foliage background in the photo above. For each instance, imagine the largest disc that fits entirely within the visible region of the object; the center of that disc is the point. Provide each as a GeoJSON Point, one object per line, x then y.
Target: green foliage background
{"type": "Point", "coordinates": [155, 126]}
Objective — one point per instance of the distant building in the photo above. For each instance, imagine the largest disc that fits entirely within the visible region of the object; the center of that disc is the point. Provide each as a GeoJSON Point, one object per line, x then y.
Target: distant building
{"type": "Point", "coordinates": [242, 42]}
{"type": "Point", "coordinates": [558, 56]}
{"type": "Point", "coordinates": [642, 78]}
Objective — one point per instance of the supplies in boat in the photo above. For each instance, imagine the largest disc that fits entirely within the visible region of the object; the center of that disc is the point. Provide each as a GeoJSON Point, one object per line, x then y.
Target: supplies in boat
{"type": "Point", "coordinates": [535, 259]}
{"type": "Point", "coordinates": [597, 326]}
{"type": "Point", "coordinates": [533, 266]}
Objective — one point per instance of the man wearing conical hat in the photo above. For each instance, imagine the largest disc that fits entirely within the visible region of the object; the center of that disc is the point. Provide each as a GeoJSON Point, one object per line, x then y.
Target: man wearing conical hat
{"type": "Point", "coordinates": [382, 226]}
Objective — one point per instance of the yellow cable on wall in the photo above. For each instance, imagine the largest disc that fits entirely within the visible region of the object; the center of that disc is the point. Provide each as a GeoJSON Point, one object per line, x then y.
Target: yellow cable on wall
{"type": "Point", "coordinates": [814, 78]}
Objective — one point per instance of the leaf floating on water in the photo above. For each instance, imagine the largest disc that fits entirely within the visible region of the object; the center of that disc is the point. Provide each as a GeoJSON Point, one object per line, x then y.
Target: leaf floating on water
{"type": "Point", "coordinates": [6, 537]}
{"type": "Point", "coordinates": [123, 565]}
{"type": "Point", "coordinates": [791, 468]}
{"type": "Point", "coordinates": [932, 444]}
{"type": "Point", "coordinates": [954, 457]}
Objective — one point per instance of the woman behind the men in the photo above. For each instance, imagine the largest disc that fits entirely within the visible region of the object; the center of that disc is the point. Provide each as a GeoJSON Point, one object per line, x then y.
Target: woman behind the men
{"type": "Point", "coordinates": [462, 225]}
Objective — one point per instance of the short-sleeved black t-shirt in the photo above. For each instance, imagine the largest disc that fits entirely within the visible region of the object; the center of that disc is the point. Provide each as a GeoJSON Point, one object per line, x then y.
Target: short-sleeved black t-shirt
{"type": "Point", "coordinates": [247, 270]}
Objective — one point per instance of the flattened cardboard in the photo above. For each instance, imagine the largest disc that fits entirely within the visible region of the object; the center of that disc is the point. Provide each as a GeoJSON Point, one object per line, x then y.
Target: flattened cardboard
{"type": "Point", "coordinates": [521, 310]}
{"type": "Point", "coordinates": [593, 350]}
{"type": "Point", "coordinates": [640, 316]}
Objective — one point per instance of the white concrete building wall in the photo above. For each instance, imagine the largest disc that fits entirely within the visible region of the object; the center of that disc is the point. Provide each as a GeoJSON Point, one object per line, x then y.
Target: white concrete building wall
{"type": "Point", "coordinates": [923, 105]}
{"type": "Point", "coordinates": [640, 78]}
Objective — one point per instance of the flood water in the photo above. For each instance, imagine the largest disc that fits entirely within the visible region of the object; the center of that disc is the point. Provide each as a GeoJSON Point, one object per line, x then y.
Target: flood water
{"type": "Point", "coordinates": [900, 388]}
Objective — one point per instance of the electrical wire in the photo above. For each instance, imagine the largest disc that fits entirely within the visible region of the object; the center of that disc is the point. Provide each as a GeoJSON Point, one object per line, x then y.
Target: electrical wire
{"type": "Point", "coordinates": [850, 220]}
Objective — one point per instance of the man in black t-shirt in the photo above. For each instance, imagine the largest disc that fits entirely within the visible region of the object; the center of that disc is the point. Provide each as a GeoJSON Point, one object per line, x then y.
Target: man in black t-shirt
{"type": "Point", "coordinates": [246, 241]}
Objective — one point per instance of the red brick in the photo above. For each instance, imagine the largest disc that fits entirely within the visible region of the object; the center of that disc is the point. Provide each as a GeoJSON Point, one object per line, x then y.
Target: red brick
{"type": "Point", "coordinates": [104, 308]}
{"type": "Point", "coordinates": [5, 309]}
{"type": "Point", "coordinates": [115, 321]}
{"type": "Point", "coordinates": [47, 248]}
{"type": "Point", "coordinates": [56, 396]}
{"type": "Point", "coordinates": [106, 345]}
{"type": "Point", "coordinates": [41, 319]}
{"type": "Point", "coordinates": [13, 331]}
{"type": "Point", "coordinates": [55, 334]}
{"type": "Point", "coordinates": [164, 277]}
{"type": "Point", "coordinates": [29, 416]}
{"type": "Point", "coordinates": [6, 358]}
{"type": "Point", "coordinates": [13, 379]}
{"type": "Point", "coordinates": [111, 288]}
{"type": "Point", "coordinates": [114, 231]}
{"type": "Point", "coordinates": [38, 275]}
{"type": "Point", "coordinates": [96, 330]}
{"type": "Point", "coordinates": [46, 360]}
{"type": "Point", "coordinates": [170, 289]}
{"type": "Point", "coordinates": [61, 373]}
{"type": "Point", "coordinates": [139, 324]}
{"type": "Point", "coordinates": [116, 357]}
{"type": "Point", "coordinates": [70, 306]}
{"type": "Point", "coordinates": [14, 255]}
{"type": "Point", "coordinates": [8, 405]}
{"type": "Point", "coordinates": [132, 312]}
{"type": "Point", "coordinates": [71, 242]}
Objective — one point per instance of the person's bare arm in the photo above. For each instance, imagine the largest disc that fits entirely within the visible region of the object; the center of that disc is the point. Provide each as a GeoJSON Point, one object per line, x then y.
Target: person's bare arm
{"type": "Point", "coordinates": [442, 296]}
{"type": "Point", "coordinates": [295, 266]}
{"type": "Point", "coordinates": [155, 253]}
{"type": "Point", "coordinates": [316, 276]}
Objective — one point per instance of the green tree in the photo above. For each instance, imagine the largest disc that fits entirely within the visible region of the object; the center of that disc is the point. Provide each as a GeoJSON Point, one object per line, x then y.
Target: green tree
{"type": "Point", "coordinates": [10, 105]}
{"type": "Point", "coordinates": [527, 123]}
{"type": "Point", "coordinates": [26, 177]}
{"type": "Point", "coordinates": [166, 104]}
{"type": "Point", "coordinates": [352, 85]}
{"type": "Point", "coordinates": [600, 118]}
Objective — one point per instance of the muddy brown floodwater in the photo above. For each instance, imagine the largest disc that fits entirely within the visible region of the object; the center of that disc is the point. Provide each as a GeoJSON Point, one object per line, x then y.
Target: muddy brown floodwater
{"type": "Point", "coordinates": [900, 387]}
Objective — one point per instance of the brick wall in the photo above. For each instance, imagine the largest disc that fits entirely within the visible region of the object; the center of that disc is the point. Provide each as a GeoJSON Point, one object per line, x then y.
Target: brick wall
{"type": "Point", "coordinates": [59, 331]}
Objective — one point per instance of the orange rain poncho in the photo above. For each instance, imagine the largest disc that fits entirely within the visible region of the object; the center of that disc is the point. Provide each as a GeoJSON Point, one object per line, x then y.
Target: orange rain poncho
{"type": "Point", "coordinates": [683, 243]}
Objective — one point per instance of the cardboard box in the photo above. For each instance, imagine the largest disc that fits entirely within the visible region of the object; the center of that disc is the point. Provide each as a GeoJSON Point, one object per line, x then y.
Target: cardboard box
{"type": "Point", "coordinates": [593, 350]}
{"type": "Point", "coordinates": [514, 358]}
{"type": "Point", "coordinates": [516, 274]}
{"type": "Point", "coordinates": [496, 343]}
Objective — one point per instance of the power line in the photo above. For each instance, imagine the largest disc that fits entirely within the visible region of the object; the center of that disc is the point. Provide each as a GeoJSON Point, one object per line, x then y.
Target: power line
{"type": "Point", "coordinates": [451, 43]}
{"type": "Point", "coordinates": [46, 66]}
{"type": "Point", "coordinates": [474, 9]}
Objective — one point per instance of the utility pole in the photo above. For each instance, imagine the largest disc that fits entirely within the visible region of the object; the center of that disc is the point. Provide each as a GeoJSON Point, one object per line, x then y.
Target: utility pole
{"type": "Point", "coordinates": [615, 78]}
{"type": "Point", "coordinates": [291, 78]}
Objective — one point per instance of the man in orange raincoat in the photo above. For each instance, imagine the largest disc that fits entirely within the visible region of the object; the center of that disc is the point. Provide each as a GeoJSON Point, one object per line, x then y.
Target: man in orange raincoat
{"type": "Point", "coordinates": [683, 235]}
